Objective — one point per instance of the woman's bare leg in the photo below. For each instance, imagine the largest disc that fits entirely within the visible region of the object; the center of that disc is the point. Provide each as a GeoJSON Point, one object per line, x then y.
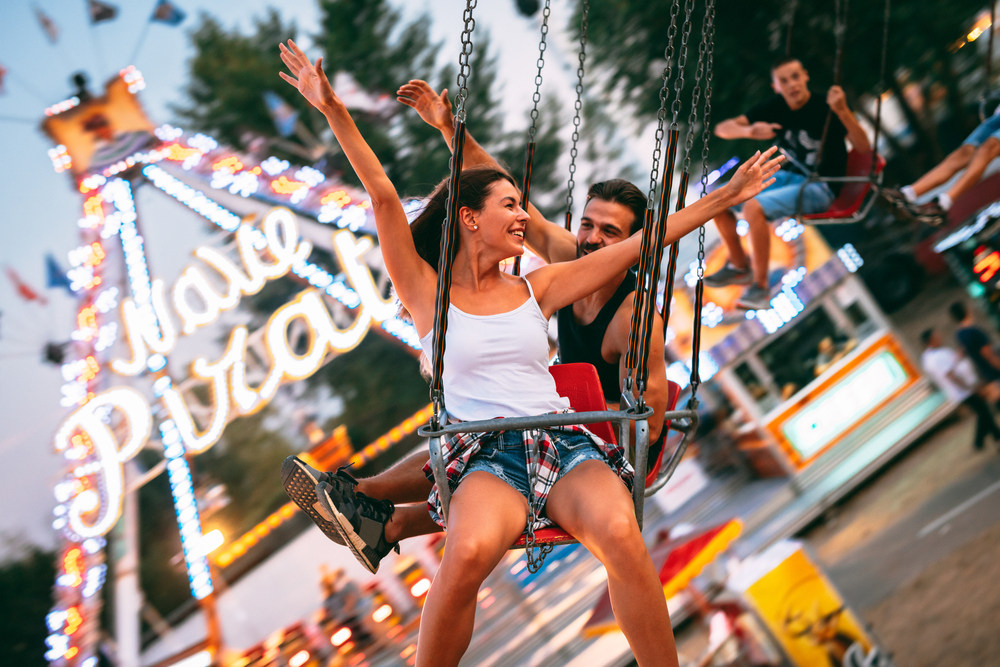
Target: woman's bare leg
{"type": "Point", "coordinates": [487, 515]}
{"type": "Point", "coordinates": [593, 505]}
{"type": "Point", "coordinates": [956, 161]}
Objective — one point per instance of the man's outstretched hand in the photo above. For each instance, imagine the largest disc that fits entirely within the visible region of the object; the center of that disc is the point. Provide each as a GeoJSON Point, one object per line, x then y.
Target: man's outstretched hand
{"type": "Point", "coordinates": [435, 109]}
{"type": "Point", "coordinates": [309, 79]}
{"type": "Point", "coordinates": [754, 175]}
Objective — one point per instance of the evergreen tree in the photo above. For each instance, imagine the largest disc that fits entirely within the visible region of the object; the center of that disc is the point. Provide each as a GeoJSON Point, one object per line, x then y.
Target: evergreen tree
{"type": "Point", "coordinates": [26, 582]}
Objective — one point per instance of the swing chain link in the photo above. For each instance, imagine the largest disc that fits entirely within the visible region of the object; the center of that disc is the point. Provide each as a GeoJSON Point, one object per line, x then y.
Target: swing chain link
{"type": "Point", "coordinates": [464, 68]}
{"type": "Point", "coordinates": [537, 96]}
{"type": "Point", "coordinates": [707, 38]}
{"type": "Point", "coordinates": [661, 114]}
{"type": "Point", "coordinates": [534, 554]}
{"type": "Point", "coordinates": [578, 106]}
{"type": "Point", "coordinates": [682, 62]}
{"type": "Point", "coordinates": [699, 72]}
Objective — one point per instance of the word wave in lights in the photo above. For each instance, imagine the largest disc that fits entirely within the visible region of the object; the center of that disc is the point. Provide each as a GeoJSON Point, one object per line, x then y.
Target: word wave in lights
{"type": "Point", "coordinates": [197, 303]}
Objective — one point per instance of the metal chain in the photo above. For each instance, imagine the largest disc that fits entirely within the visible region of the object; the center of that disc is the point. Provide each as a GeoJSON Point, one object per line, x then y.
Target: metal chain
{"type": "Point", "coordinates": [699, 71]}
{"type": "Point", "coordinates": [578, 106]}
{"type": "Point", "coordinates": [682, 62]}
{"type": "Point", "coordinates": [534, 562]}
{"type": "Point", "coordinates": [537, 97]}
{"type": "Point", "coordinates": [707, 38]}
{"type": "Point", "coordinates": [464, 68]}
{"type": "Point", "coordinates": [661, 114]}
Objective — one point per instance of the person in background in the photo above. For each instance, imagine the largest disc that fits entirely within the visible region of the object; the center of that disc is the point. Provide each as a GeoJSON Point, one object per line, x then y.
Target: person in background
{"type": "Point", "coordinates": [796, 119]}
{"type": "Point", "coordinates": [974, 155]}
{"type": "Point", "coordinates": [954, 375]}
{"type": "Point", "coordinates": [976, 344]}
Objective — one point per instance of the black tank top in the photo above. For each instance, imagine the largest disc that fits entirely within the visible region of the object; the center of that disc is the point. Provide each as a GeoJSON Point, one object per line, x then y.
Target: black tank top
{"type": "Point", "coordinates": [581, 343]}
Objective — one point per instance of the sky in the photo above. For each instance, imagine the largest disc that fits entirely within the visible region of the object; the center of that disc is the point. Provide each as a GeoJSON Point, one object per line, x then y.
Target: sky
{"type": "Point", "coordinates": [39, 208]}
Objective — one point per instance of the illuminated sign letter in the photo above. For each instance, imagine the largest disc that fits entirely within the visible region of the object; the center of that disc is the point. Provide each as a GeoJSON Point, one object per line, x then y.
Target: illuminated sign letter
{"type": "Point", "coordinates": [89, 420]}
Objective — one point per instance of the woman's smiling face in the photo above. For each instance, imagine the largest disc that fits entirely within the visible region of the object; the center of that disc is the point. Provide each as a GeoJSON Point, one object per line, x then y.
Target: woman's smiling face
{"type": "Point", "coordinates": [501, 222]}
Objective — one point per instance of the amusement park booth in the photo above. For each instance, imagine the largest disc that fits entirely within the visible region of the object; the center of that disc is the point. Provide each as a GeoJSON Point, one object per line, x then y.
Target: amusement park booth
{"type": "Point", "coordinates": [825, 391]}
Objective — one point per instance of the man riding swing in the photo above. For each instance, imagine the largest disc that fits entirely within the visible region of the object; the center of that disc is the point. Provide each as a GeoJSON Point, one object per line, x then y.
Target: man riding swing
{"type": "Point", "coordinates": [593, 330]}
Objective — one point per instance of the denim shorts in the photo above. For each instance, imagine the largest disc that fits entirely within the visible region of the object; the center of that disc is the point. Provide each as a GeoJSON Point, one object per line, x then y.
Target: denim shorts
{"type": "Point", "coordinates": [502, 455]}
{"type": "Point", "coordinates": [780, 199]}
{"type": "Point", "coordinates": [988, 128]}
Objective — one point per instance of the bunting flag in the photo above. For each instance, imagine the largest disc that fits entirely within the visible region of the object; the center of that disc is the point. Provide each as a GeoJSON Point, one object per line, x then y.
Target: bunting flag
{"type": "Point", "coordinates": [282, 113]}
{"type": "Point", "coordinates": [23, 289]}
{"type": "Point", "coordinates": [48, 25]}
{"type": "Point", "coordinates": [101, 11]}
{"type": "Point", "coordinates": [167, 12]}
{"type": "Point", "coordinates": [3, 75]}
{"type": "Point", "coordinates": [55, 276]}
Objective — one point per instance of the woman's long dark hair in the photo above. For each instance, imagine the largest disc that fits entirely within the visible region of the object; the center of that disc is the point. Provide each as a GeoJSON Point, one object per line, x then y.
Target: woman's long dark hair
{"type": "Point", "coordinates": [474, 187]}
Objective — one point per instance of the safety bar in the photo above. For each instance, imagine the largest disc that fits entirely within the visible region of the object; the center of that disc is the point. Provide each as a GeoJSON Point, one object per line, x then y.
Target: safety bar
{"type": "Point", "coordinates": [621, 417]}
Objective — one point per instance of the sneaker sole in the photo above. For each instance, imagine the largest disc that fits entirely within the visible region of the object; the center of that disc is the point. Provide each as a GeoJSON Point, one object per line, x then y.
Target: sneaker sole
{"type": "Point", "coordinates": [746, 305]}
{"type": "Point", "coordinates": [740, 280]}
{"type": "Point", "coordinates": [300, 485]}
{"type": "Point", "coordinates": [344, 527]}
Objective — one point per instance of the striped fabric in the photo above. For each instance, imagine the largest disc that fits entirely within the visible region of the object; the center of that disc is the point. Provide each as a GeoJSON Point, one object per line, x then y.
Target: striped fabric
{"type": "Point", "coordinates": [459, 451]}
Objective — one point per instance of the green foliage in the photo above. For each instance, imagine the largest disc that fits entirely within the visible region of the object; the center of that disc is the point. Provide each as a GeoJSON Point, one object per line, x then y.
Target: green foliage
{"type": "Point", "coordinates": [229, 75]}
{"type": "Point", "coordinates": [164, 584]}
{"type": "Point", "coordinates": [247, 461]}
{"type": "Point", "coordinates": [380, 384]}
{"type": "Point", "coordinates": [26, 591]}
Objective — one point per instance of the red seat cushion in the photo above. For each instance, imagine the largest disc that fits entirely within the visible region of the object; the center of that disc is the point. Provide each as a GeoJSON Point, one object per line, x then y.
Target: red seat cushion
{"type": "Point", "coordinates": [673, 393]}
{"type": "Point", "coordinates": [582, 386]}
{"type": "Point", "coordinates": [852, 195]}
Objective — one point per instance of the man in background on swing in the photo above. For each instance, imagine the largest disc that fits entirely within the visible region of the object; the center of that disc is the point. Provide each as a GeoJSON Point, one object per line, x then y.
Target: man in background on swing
{"type": "Point", "coordinates": [796, 118]}
{"type": "Point", "coordinates": [593, 330]}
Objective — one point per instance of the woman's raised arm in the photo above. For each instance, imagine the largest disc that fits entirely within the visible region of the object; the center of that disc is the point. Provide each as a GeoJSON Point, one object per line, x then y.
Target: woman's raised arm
{"type": "Point", "coordinates": [413, 279]}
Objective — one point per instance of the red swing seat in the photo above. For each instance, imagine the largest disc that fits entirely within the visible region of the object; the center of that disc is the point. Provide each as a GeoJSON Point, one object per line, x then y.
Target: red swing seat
{"type": "Point", "coordinates": [852, 197]}
{"type": "Point", "coordinates": [582, 386]}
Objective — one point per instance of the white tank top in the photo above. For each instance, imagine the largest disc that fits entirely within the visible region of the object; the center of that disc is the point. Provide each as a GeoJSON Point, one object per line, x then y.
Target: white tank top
{"type": "Point", "coordinates": [497, 365]}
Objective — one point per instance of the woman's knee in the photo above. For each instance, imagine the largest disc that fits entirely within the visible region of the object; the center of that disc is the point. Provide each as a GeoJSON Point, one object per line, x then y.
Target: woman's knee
{"type": "Point", "coordinates": [470, 559]}
{"type": "Point", "coordinates": [963, 154]}
{"type": "Point", "coordinates": [616, 536]}
{"type": "Point", "coordinates": [990, 148]}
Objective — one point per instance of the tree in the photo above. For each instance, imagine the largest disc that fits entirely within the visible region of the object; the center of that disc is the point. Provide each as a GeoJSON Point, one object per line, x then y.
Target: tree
{"type": "Point", "coordinates": [26, 581]}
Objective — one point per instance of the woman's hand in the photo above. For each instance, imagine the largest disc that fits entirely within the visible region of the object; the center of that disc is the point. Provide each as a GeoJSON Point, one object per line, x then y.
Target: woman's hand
{"type": "Point", "coordinates": [433, 108]}
{"type": "Point", "coordinates": [311, 81]}
{"type": "Point", "coordinates": [754, 175]}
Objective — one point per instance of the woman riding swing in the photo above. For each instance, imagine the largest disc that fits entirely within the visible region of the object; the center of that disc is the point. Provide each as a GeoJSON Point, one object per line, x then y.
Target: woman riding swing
{"type": "Point", "coordinates": [497, 356]}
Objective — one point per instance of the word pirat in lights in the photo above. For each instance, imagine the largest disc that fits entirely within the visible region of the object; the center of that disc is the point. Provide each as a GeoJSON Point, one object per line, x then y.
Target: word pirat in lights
{"type": "Point", "coordinates": [110, 148]}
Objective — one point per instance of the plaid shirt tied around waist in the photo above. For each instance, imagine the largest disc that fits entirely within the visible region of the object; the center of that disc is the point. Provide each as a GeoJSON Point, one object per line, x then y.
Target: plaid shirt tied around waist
{"type": "Point", "coordinates": [541, 456]}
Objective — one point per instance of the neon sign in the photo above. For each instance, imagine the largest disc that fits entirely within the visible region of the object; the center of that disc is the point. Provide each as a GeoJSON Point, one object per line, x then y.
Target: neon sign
{"type": "Point", "coordinates": [150, 331]}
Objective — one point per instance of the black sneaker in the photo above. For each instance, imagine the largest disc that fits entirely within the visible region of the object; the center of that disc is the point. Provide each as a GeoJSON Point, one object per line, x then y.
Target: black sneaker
{"type": "Point", "coordinates": [361, 521]}
{"type": "Point", "coordinates": [930, 213]}
{"type": "Point", "coordinates": [754, 297]}
{"type": "Point", "coordinates": [729, 275]}
{"type": "Point", "coordinates": [898, 203]}
{"type": "Point", "coordinates": [300, 480]}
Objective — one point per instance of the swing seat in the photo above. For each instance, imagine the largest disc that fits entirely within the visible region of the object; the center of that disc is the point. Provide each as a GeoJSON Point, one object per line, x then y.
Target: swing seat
{"type": "Point", "coordinates": [853, 203]}
{"type": "Point", "coordinates": [582, 386]}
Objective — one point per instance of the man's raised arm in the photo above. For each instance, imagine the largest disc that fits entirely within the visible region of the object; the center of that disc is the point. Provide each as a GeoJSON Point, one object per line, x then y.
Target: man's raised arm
{"type": "Point", "coordinates": [550, 241]}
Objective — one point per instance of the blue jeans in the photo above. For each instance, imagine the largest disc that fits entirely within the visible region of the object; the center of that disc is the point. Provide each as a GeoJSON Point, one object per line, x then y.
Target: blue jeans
{"type": "Point", "coordinates": [780, 198]}
{"type": "Point", "coordinates": [988, 128]}
{"type": "Point", "coordinates": [502, 455]}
